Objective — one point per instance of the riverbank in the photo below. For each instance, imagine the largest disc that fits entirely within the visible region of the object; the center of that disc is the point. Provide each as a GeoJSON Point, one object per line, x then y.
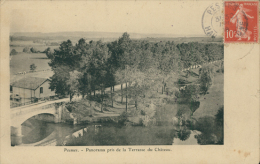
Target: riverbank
{"type": "Point", "coordinates": [210, 103]}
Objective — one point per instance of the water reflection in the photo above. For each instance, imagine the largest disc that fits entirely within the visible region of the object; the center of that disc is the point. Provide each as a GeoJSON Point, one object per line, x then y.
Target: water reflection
{"type": "Point", "coordinates": [171, 128]}
{"type": "Point", "coordinates": [175, 127]}
{"type": "Point", "coordinates": [183, 133]}
{"type": "Point", "coordinates": [191, 140]}
{"type": "Point", "coordinates": [107, 134]}
{"type": "Point", "coordinates": [112, 134]}
{"type": "Point", "coordinates": [164, 132]}
{"type": "Point", "coordinates": [35, 130]}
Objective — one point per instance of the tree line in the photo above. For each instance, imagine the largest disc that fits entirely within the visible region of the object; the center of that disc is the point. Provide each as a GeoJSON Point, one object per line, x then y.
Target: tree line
{"type": "Point", "coordinates": [86, 67]}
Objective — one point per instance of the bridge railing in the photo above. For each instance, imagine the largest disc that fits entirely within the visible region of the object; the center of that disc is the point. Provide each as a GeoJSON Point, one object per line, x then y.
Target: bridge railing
{"type": "Point", "coordinates": [40, 103]}
{"type": "Point", "coordinates": [47, 105]}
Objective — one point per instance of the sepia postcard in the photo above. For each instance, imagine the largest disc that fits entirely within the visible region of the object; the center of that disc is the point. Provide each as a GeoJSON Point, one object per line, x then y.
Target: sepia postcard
{"type": "Point", "coordinates": [129, 82]}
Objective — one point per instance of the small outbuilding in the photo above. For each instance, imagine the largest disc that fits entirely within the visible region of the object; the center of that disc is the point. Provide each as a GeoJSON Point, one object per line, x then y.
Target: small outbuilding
{"type": "Point", "coordinates": [31, 88]}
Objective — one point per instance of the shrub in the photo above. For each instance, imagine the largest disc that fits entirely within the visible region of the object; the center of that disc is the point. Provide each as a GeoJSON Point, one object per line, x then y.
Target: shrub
{"type": "Point", "coordinates": [184, 133]}
{"type": "Point", "coordinates": [149, 111]}
{"type": "Point", "coordinates": [26, 50]}
{"type": "Point", "coordinates": [123, 118]}
{"type": "Point", "coordinates": [13, 52]}
{"type": "Point", "coordinates": [181, 81]}
{"type": "Point", "coordinates": [34, 50]}
{"type": "Point", "coordinates": [33, 67]}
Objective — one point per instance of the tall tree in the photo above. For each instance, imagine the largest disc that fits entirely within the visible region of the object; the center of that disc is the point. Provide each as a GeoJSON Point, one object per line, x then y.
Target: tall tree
{"type": "Point", "coordinates": [64, 81]}
{"type": "Point", "coordinates": [59, 80]}
{"type": "Point", "coordinates": [120, 50]}
{"type": "Point", "coordinates": [73, 83]}
{"type": "Point", "coordinates": [65, 55]}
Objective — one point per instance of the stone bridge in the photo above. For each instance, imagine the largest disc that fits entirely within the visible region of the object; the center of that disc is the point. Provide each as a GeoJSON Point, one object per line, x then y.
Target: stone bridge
{"type": "Point", "coordinates": [23, 113]}
{"type": "Point", "coordinates": [20, 114]}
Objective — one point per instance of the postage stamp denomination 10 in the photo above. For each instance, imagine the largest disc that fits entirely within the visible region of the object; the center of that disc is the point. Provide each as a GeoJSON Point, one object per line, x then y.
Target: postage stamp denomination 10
{"type": "Point", "coordinates": [241, 21]}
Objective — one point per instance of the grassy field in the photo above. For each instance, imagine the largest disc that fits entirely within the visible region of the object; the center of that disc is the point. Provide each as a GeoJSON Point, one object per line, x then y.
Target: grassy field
{"type": "Point", "coordinates": [24, 43]}
{"type": "Point", "coordinates": [46, 74]}
{"type": "Point", "coordinates": [22, 61]}
{"type": "Point", "coordinates": [210, 103]}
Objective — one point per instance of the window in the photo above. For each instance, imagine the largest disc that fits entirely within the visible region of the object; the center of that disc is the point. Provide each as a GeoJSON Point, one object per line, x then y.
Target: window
{"type": "Point", "coordinates": [41, 90]}
{"type": "Point", "coordinates": [52, 89]}
{"type": "Point", "coordinates": [11, 89]}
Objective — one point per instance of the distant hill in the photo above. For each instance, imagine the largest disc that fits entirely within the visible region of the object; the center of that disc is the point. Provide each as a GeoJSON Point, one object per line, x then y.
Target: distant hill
{"type": "Point", "coordinates": [67, 34]}
{"type": "Point", "coordinates": [187, 39]}
{"type": "Point", "coordinates": [106, 36]}
{"type": "Point", "coordinates": [61, 35]}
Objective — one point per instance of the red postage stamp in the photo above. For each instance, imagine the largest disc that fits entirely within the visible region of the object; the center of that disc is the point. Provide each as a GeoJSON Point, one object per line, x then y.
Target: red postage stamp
{"type": "Point", "coordinates": [241, 22]}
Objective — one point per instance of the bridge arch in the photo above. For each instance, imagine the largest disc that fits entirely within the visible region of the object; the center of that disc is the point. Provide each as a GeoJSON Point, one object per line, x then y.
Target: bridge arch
{"type": "Point", "coordinates": [18, 120]}
{"type": "Point", "coordinates": [20, 115]}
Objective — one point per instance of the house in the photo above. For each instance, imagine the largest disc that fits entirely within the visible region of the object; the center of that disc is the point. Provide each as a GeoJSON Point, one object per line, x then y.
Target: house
{"type": "Point", "coordinates": [31, 88]}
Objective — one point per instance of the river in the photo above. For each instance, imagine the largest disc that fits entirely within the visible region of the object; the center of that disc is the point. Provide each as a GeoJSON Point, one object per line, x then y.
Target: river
{"type": "Point", "coordinates": [40, 133]}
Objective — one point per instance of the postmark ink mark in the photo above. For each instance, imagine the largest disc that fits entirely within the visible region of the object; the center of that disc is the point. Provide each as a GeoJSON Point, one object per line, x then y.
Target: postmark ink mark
{"type": "Point", "coordinates": [212, 20]}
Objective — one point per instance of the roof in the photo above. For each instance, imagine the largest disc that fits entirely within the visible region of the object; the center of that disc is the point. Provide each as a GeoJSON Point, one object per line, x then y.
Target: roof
{"type": "Point", "coordinates": [196, 71]}
{"type": "Point", "coordinates": [29, 83]}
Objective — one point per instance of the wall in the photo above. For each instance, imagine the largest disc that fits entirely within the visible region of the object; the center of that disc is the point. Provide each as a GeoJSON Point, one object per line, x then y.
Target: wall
{"type": "Point", "coordinates": [25, 94]}
{"type": "Point", "coordinates": [46, 91]}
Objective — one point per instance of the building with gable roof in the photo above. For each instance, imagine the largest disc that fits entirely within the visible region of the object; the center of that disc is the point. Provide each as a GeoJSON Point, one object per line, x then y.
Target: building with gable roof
{"type": "Point", "coordinates": [30, 88]}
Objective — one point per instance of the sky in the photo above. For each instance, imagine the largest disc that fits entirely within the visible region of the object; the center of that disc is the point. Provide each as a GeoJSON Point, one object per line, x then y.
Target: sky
{"type": "Point", "coordinates": [180, 18]}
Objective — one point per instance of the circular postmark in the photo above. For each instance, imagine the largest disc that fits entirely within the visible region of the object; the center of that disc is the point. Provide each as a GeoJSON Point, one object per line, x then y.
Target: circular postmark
{"type": "Point", "coordinates": [212, 20]}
